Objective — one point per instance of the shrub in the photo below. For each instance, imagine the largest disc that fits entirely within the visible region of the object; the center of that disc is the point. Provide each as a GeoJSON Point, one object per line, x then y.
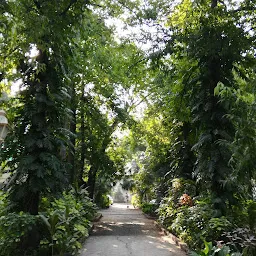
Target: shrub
{"type": "Point", "coordinates": [192, 224]}
{"type": "Point", "coordinates": [103, 201]}
{"type": "Point", "coordinates": [67, 221]}
{"type": "Point", "coordinates": [244, 213]}
{"type": "Point", "coordinates": [242, 239]}
{"type": "Point", "coordinates": [63, 224]}
{"type": "Point", "coordinates": [179, 194]}
{"type": "Point", "coordinates": [135, 201]}
{"type": "Point", "coordinates": [185, 199]}
{"type": "Point", "coordinates": [149, 208]}
{"type": "Point", "coordinates": [219, 250]}
{"type": "Point", "coordinates": [182, 191]}
{"type": "Point", "coordinates": [252, 214]}
{"type": "Point", "coordinates": [215, 228]}
{"type": "Point", "coordinates": [166, 211]}
{"type": "Point", "coordinates": [13, 228]}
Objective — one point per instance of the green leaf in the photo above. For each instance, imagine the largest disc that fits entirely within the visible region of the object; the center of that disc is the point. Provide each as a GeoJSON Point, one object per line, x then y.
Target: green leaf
{"type": "Point", "coordinates": [45, 220]}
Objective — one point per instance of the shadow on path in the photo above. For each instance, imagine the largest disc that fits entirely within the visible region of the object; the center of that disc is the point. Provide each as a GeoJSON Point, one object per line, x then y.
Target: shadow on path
{"type": "Point", "coordinates": [127, 232]}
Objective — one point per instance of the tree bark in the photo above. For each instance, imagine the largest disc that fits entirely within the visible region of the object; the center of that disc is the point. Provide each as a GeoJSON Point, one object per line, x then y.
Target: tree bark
{"type": "Point", "coordinates": [188, 155]}
{"type": "Point", "coordinates": [30, 205]}
{"type": "Point", "coordinates": [91, 181]}
{"type": "Point", "coordinates": [83, 144]}
{"type": "Point", "coordinates": [72, 149]}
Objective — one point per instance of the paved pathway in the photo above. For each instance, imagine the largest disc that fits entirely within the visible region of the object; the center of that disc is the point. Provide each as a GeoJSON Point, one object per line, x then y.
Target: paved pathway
{"type": "Point", "coordinates": [127, 232]}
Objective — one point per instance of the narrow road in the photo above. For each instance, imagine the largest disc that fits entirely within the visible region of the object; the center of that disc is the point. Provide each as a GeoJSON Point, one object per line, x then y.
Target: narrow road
{"type": "Point", "coordinates": [127, 232]}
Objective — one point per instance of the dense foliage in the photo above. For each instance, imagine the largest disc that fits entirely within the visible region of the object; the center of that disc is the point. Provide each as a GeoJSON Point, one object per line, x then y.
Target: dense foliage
{"type": "Point", "coordinates": [170, 109]}
{"type": "Point", "coordinates": [194, 142]}
{"type": "Point", "coordinates": [64, 223]}
{"type": "Point", "coordinates": [72, 74]}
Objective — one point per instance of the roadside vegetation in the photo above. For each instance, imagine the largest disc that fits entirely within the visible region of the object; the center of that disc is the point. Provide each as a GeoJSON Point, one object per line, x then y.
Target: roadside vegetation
{"type": "Point", "coordinates": [167, 108]}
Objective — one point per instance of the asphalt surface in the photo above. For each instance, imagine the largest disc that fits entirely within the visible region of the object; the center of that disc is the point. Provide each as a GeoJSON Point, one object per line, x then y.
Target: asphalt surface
{"type": "Point", "coordinates": [127, 232]}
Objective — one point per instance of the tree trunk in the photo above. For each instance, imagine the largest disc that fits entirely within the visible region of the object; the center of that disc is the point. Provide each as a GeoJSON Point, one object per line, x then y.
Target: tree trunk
{"type": "Point", "coordinates": [188, 156]}
{"type": "Point", "coordinates": [72, 149]}
{"type": "Point", "coordinates": [32, 239]}
{"type": "Point", "coordinates": [83, 144]}
{"type": "Point", "coordinates": [91, 181]}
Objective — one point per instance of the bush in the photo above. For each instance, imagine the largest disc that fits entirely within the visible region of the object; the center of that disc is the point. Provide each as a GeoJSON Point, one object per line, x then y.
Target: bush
{"type": "Point", "coordinates": [242, 239]}
{"type": "Point", "coordinates": [192, 224]}
{"type": "Point", "coordinates": [182, 191]}
{"type": "Point", "coordinates": [215, 228]}
{"type": "Point", "coordinates": [166, 211]}
{"type": "Point", "coordinates": [252, 214]}
{"type": "Point", "coordinates": [13, 228]}
{"type": "Point", "coordinates": [149, 208]}
{"type": "Point", "coordinates": [103, 201]}
{"type": "Point", "coordinates": [219, 250]}
{"type": "Point", "coordinates": [67, 221]}
{"type": "Point", "coordinates": [135, 201]}
{"type": "Point", "coordinates": [244, 213]}
{"type": "Point", "coordinates": [179, 194]}
{"type": "Point", "coordinates": [63, 224]}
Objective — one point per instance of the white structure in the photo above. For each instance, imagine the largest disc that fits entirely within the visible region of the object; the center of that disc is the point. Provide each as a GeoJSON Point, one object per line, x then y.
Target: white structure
{"type": "Point", "coordinates": [3, 125]}
{"type": "Point", "coordinates": [120, 195]}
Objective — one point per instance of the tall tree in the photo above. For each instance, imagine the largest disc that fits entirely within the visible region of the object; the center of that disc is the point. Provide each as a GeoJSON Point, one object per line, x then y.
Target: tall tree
{"type": "Point", "coordinates": [204, 44]}
{"type": "Point", "coordinates": [57, 50]}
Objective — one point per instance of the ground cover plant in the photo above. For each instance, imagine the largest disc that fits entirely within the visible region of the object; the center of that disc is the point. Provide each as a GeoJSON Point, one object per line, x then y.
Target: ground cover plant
{"type": "Point", "coordinates": [63, 224]}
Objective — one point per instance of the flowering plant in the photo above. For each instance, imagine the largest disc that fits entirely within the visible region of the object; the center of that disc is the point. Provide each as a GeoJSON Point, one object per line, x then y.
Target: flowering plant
{"type": "Point", "coordinates": [185, 199]}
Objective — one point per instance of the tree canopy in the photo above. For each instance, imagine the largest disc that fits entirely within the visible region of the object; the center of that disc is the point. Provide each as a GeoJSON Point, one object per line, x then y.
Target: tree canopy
{"type": "Point", "coordinates": [169, 107]}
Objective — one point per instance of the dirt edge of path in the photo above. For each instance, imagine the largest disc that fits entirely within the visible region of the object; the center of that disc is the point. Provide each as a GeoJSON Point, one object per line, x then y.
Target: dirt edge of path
{"type": "Point", "coordinates": [183, 246]}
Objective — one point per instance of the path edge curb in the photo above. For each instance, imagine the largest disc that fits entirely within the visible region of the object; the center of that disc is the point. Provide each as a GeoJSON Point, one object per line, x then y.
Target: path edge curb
{"type": "Point", "coordinates": [183, 246]}
{"type": "Point", "coordinates": [96, 219]}
{"type": "Point", "coordinates": [149, 216]}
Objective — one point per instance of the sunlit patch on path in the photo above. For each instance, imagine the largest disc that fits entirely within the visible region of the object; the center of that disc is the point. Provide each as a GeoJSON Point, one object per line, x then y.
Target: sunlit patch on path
{"type": "Point", "coordinates": [127, 232]}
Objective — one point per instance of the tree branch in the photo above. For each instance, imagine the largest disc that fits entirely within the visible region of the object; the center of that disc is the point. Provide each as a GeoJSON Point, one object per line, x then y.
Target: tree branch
{"type": "Point", "coordinates": [10, 52]}
{"type": "Point", "coordinates": [39, 8]}
{"type": "Point", "coordinates": [68, 7]}
{"type": "Point", "coordinates": [37, 4]}
{"type": "Point", "coordinates": [246, 8]}
{"type": "Point", "coordinates": [70, 4]}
